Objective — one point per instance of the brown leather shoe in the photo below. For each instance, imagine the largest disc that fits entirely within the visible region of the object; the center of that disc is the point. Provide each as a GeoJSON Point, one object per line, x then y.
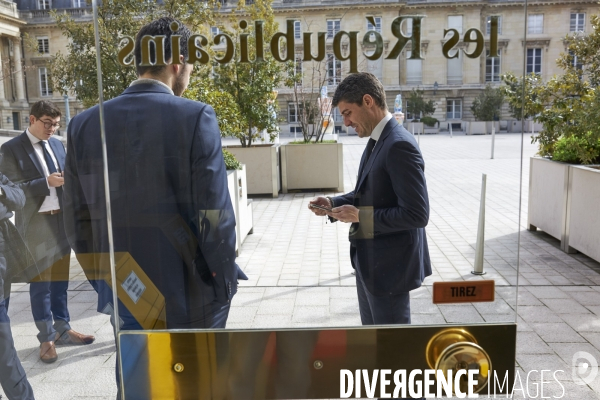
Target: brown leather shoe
{"type": "Point", "coordinates": [48, 352]}
{"type": "Point", "coordinates": [74, 338]}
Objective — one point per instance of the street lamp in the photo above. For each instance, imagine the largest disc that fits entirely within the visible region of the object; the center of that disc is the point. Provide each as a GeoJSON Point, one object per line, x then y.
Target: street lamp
{"type": "Point", "coordinates": [435, 87]}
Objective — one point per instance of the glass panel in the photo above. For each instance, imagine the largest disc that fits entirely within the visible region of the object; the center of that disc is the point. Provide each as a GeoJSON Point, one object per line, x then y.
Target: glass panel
{"type": "Point", "coordinates": [159, 218]}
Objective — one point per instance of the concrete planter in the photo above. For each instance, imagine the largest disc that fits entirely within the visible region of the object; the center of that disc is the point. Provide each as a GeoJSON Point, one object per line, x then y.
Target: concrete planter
{"type": "Point", "coordinates": [547, 208]}
{"type": "Point", "coordinates": [583, 212]}
{"type": "Point", "coordinates": [428, 130]}
{"type": "Point", "coordinates": [415, 127]}
{"type": "Point", "coordinates": [262, 164]}
{"type": "Point", "coordinates": [312, 166]}
{"type": "Point", "coordinates": [242, 207]}
{"type": "Point", "coordinates": [477, 128]}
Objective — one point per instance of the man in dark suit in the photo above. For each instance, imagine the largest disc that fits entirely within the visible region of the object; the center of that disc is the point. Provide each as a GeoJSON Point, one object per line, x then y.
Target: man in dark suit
{"type": "Point", "coordinates": [12, 257]}
{"type": "Point", "coordinates": [388, 209]}
{"type": "Point", "coordinates": [171, 209]}
{"type": "Point", "coordinates": [35, 161]}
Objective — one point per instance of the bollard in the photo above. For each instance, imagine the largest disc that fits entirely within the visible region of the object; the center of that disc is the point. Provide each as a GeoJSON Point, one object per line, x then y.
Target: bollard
{"type": "Point", "coordinates": [419, 138]}
{"type": "Point", "coordinates": [478, 268]}
{"type": "Point", "coordinates": [493, 138]}
{"type": "Point", "coordinates": [450, 130]}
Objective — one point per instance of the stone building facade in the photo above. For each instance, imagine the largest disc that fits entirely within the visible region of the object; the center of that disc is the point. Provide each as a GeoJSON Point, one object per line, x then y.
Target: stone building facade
{"type": "Point", "coordinates": [451, 83]}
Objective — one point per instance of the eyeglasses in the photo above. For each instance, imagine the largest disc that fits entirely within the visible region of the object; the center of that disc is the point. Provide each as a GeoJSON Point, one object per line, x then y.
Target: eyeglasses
{"type": "Point", "coordinates": [49, 125]}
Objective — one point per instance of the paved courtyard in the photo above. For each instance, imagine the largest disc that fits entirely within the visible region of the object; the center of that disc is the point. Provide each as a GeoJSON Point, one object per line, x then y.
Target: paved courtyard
{"type": "Point", "coordinates": [300, 273]}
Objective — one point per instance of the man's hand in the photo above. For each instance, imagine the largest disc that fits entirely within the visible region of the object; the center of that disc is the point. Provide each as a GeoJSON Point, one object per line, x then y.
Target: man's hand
{"type": "Point", "coordinates": [345, 213]}
{"type": "Point", "coordinates": [320, 201]}
{"type": "Point", "coordinates": [56, 179]}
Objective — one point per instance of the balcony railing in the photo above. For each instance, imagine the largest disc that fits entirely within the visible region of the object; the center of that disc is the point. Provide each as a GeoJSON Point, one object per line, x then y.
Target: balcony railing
{"type": "Point", "coordinates": [44, 15]}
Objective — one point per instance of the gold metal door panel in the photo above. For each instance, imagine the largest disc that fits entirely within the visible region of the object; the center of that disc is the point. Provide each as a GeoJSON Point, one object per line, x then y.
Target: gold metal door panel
{"type": "Point", "coordinates": [296, 364]}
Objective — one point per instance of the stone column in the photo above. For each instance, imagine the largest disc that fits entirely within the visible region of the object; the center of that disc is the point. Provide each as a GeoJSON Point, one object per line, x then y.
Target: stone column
{"type": "Point", "coordinates": [18, 71]}
{"type": "Point", "coordinates": [5, 75]}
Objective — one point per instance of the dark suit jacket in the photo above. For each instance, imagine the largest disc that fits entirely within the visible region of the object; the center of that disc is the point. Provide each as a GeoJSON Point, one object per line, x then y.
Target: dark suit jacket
{"type": "Point", "coordinates": [14, 256]}
{"type": "Point", "coordinates": [170, 204]}
{"type": "Point", "coordinates": [21, 165]}
{"type": "Point", "coordinates": [389, 242]}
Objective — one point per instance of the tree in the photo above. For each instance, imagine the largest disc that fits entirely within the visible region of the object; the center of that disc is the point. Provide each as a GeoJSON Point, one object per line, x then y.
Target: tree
{"type": "Point", "coordinates": [306, 95]}
{"type": "Point", "coordinates": [417, 106]}
{"type": "Point", "coordinates": [487, 106]}
{"type": "Point", "coordinates": [568, 105]}
{"type": "Point", "coordinates": [76, 70]}
{"type": "Point", "coordinates": [513, 92]}
{"type": "Point", "coordinates": [251, 85]}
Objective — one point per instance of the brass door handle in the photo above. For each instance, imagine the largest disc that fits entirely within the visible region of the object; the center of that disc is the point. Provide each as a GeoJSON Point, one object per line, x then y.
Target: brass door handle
{"type": "Point", "coordinates": [456, 349]}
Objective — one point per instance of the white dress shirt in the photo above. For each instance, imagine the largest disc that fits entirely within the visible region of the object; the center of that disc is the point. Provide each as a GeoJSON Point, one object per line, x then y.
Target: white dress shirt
{"type": "Point", "coordinates": [378, 130]}
{"type": "Point", "coordinates": [50, 202]}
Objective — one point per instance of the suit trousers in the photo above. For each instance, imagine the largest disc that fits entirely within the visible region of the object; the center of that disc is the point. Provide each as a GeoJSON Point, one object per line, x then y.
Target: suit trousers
{"type": "Point", "coordinates": [376, 310]}
{"type": "Point", "coordinates": [48, 291]}
{"type": "Point", "coordinates": [12, 375]}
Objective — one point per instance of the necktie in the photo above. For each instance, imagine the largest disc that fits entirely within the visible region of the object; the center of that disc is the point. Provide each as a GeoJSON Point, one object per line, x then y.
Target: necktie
{"type": "Point", "coordinates": [369, 150]}
{"type": "Point", "coordinates": [48, 158]}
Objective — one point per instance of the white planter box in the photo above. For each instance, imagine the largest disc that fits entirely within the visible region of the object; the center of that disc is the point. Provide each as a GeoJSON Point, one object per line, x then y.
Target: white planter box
{"type": "Point", "coordinates": [431, 130]}
{"type": "Point", "coordinates": [262, 165]}
{"type": "Point", "coordinates": [415, 127]}
{"type": "Point", "coordinates": [478, 128]}
{"type": "Point", "coordinates": [547, 208]}
{"type": "Point", "coordinates": [312, 166]}
{"type": "Point", "coordinates": [236, 182]}
{"type": "Point", "coordinates": [583, 215]}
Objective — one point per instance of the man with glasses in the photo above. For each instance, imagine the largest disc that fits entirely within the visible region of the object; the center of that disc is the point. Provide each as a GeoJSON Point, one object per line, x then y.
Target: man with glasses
{"type": "Point", "coordinates": [35, 162]}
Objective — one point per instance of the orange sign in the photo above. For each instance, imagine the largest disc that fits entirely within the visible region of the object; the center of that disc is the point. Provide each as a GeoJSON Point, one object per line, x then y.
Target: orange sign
{"type": "Point", "coordinates": [463, 292]}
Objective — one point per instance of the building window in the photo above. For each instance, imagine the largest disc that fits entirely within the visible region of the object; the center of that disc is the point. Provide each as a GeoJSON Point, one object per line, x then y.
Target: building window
{"type": "Point", "coordinates": [43, 45]}
{"type": "Point", "coordinates": [453, 109]}
{"type": "Point", "coordinates": [214, 31]}
{"type": "Point", "coordinates": [577, 22]}
{"type": "Point", "coordinates": [45, 85]}
{"type": "Point", "coordinates": [44, 4]}
{"type": "Point", "coordinates": [334, 70]}
{"type": "Point", "coordinates": [414, 70]}
{"type": "Point", "coordinates": [298, 30]}
{"type": "Point", "coordinates": [488, 25]}
{"type": "Point", "coordinates": [455, 73]}
{"type": "Point", "coordinates": [535, 23]}
{"type": "Point", "coordinates": [249, 2]}
{"type": "Point", "coordinates": [377, 27]}
{"type": "Point", "coordinates": [79, 4]}
{"type": "Point", "coordinates": [298, 69]}
{"type": "Point", "coordinates": [407, 27]}
{"type": "Point", "coordinates": [455, 22]}
{"type": "Point", "coordinates": [575, 61]}
{"type": "Point", "coordinates": [337, 117]}
{"type": "Point", "coordinates": [408, 115]}
{"type": "Point", "coordinates": [534, 61]}
{"type": "Point", "coordinates": [333, 27]}
{"type": "Point", "coordinates": [492, 68]}
{"type": "Point", "coordinates": [294, 111]}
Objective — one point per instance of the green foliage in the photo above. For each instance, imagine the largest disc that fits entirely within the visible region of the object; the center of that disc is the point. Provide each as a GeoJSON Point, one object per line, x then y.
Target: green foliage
{"type": "Point", "coordinates": [249, 89]}
{"type": "Point", "coordinates": [76, 70]}
{"type": "Point", "coordinates": [417, 105]}
{"type": "Point", "coordinates": [304, 142]}
{"type": "Point", "coordinates": [487, 106]}
{"type": "Point", "coordinates": [574, 149]}
{"type": "Point", "coordinates": [568, 105]}
{"type": "Point", "coordinates": [230, 161]}
{"type": "Point", "coordinates": [513, 92]}
{"type": "Point", "coordinates": [429, 121]}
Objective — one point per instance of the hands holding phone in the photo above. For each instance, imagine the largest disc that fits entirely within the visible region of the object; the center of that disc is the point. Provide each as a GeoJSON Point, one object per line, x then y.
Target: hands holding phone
{"type": "Point", "coordinates": [321, 207]}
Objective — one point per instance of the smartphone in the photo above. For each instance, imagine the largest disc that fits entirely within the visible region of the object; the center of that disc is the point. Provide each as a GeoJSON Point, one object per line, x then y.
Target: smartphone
{"type": "Point", "coordinates": [320, 207]}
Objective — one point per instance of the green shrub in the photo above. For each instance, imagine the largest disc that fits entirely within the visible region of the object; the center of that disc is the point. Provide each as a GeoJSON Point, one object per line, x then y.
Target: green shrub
{"type": "Point", "coordinates": [429, 121]}
{"type": "Point", "coordinates": [230, 161]}
{"type": "Point", "coordinates": [577, 149]}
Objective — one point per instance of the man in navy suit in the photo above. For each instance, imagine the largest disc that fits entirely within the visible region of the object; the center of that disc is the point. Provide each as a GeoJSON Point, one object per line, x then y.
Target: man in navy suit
{"type": "Point", "coordinates": [13, 258]}
{"type": "Point", "coordinates": [35, 161]}
{"type": "Point", "coordinates": [388, 209]}
{"type": "Point", "coordinates": [171, 209]}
